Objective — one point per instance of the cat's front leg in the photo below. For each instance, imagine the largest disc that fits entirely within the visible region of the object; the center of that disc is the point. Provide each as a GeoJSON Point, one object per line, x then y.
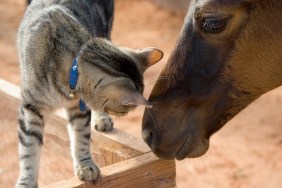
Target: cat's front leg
{"type": "Point", "coordinates": [80, 134]}
{"type": "Point", "coordinates": [30, 133]}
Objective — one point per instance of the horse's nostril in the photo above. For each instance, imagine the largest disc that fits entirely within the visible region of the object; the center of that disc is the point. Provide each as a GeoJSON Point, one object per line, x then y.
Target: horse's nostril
{"type": "Point", "coordinates": [150, 139]}
{"type": "Point", "coordinates": [148, 136]}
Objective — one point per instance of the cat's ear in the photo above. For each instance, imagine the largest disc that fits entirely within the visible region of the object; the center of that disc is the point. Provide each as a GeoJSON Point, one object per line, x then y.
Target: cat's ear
{"type": "Point", "coordinates": [135, 99]}
{"type": "Point", "coordinates": [149, 56]}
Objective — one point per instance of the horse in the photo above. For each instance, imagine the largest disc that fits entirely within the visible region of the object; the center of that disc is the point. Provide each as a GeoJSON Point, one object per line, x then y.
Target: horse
{"type": "Point", "coordinates": [227, 55]}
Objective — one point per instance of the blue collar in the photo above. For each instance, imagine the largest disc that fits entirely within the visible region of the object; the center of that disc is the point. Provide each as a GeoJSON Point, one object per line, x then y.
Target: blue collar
{"type": "Point", "coordinates": [73, 77]}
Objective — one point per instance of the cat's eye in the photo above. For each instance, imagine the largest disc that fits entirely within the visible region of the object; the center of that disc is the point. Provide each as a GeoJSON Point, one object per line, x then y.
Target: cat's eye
{"type": "Point", "coordinates": [213, 25]}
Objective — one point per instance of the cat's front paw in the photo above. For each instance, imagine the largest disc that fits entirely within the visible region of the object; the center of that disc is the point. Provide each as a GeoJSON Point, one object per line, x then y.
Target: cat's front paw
{"type": "Point", "coordinates": [103, 122]}
{"type": "Point", "coordinates": [88, 173]}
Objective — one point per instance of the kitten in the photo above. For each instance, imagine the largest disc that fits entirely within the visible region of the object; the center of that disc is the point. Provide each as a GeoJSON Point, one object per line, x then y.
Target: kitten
{"type": "Point", "coordinates": [63, 64]}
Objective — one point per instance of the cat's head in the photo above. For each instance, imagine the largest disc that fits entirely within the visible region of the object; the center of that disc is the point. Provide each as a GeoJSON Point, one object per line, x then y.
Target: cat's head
{"type": "Point", "coordinates": [112, 77]}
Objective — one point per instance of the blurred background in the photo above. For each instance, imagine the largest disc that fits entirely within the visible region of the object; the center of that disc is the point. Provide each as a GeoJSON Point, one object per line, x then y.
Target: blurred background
{"type": "Point", "coordinates": [247, 152]}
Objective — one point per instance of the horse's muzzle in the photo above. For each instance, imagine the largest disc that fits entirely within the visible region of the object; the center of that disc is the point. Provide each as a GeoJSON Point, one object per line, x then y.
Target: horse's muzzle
{"type": "Point", "coordinates": [167, 146]}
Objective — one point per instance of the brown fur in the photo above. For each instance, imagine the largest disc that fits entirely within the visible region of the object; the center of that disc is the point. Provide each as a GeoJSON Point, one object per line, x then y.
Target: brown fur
{"type": "Point", "coordinates": [213, 76]}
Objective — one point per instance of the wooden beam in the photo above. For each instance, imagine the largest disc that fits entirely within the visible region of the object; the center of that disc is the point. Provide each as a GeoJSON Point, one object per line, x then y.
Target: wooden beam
{"type": "Point", "coordinates": [110, 151]}
{"type": "Point", "coordinates": [128, 161]}
{"type": "Point", "coordinates": [115, 135]}
{"type": "Point", "coordinates": [143, 171]}
{"type": "Point", "coordinates": [127, 139]}
{"type": "Point", "coordinates": [10, 89]}
{"type": "Point", "coordinates": [118, 136]}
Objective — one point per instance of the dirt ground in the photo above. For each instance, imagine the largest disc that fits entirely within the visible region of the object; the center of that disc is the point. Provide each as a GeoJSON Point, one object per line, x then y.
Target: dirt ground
{"type": "Point", "coordinates": [246, 153]}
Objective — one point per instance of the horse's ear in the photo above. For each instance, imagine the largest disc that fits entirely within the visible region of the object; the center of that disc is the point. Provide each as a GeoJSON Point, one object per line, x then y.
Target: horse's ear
{"type": "Point", "coordinates": [149, 56]}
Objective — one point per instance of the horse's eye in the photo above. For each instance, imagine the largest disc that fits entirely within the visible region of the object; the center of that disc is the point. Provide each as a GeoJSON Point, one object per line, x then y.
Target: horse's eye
{"type": "Point", "coordinates": [213, 25]}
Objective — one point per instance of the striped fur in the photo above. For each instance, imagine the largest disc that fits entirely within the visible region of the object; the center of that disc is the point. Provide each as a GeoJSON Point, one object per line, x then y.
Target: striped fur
{"type": "Point", "coordinates": [52, 33]}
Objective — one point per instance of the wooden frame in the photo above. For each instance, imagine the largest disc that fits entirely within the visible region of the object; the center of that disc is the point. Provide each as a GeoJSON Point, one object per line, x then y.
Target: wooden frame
{"type": "Point", "coordinates": [125, 166]}
{"type": "Point", "coordinates": [125, 161]}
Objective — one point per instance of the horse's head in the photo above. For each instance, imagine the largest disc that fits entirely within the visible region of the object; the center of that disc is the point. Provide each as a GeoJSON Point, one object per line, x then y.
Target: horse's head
{"type": "Point", "coordinates": [228, 54]}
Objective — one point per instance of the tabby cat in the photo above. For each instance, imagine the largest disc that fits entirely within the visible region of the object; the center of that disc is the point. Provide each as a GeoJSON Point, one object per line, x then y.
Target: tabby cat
{"type": "Point", "coordinates": [63, 63]}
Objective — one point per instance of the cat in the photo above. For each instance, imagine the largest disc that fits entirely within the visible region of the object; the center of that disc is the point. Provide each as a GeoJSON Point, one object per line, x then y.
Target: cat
{"type": "Point", "coordinates": [65, 62]}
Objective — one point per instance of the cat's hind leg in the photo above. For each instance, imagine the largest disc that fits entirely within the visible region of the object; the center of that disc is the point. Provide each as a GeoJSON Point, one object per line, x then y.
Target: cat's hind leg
{"type": "Point", "coordinates": [102, 121]}
{"type": "Point", "coordinates": [80, 135]}
{"type": "Point", "coordinates": [30, 134]}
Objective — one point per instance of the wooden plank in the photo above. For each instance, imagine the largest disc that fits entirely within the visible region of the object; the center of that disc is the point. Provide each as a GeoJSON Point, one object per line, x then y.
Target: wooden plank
{"type": "Point", "coordinates": [115, 135]}
{"type": "Point", "coordinates": [10, 89]}
{"type": "Point", "coordinates": [108, 148]}
{"type": "Point", "coordinates": [56, 163]}
{"type": "Point", "coordinates": [105, 150]}
{"type": "Point", "coordinates": [127, 139]}
{"type": "Point", "coordinates": [135, 165]}
{"type": "Point", "coordinates": [118, 136]}
{"type": "Point", "coordinates": [56, 146]}
{"type": "Point", "coordinates": [142, 171]}
{"type": "Point", "coordinates": [110, 151]}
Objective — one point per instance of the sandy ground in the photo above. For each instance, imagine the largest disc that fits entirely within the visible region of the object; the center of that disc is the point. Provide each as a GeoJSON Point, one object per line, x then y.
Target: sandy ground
{"type": "Point", "coordinates": [246, 153]}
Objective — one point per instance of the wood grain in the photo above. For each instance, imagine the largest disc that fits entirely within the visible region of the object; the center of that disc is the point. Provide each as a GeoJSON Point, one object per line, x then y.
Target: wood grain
{"type": "Point", "coordinates": [144, 171]}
